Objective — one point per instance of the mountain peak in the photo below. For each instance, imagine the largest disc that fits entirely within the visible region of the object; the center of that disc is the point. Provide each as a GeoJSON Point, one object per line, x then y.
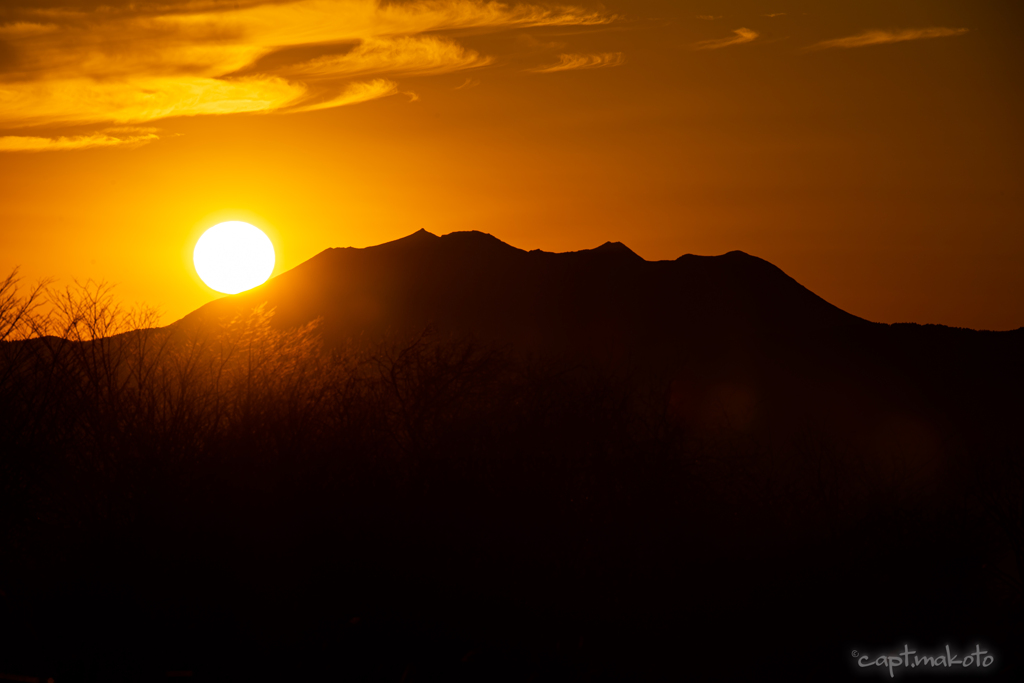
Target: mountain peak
{"type": "Point", "coordinates": [617, 249]}
{"type": "Point", "coordinates": [733, 255]}
{"type": "Point", "coordinates": [419, 237]}
{"type": "Point", "coordinates": [475, 237]}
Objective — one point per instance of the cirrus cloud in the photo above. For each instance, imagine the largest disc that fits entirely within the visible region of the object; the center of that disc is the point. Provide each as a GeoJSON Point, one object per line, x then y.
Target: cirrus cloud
{"type": "Point", "coordinates": [569, 62]}
{"type": "Point", "coordinates": [403, 56]}
{"type": "Point", "coordinates": [134, 138]}
{"type": "Point", "coordinates": [353, 94]}
{"type": "Point", "coordinates": [138, 62]}
{"type": "Point", "coordinates": [741, 35]}
{"type": "Point", "coordinates": [880, 37]}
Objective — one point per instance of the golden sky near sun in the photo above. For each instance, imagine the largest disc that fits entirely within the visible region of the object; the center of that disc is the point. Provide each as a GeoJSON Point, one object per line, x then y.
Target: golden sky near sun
{"type": "Point", "coordinates": [872, 150]}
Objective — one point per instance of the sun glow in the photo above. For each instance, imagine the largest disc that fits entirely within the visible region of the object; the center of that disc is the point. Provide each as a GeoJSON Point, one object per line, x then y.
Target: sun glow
{"type": "Point", "coordinates": [234, 256]}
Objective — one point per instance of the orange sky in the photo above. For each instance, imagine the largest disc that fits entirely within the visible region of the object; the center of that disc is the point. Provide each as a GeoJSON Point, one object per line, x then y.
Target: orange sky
{"type": "Point", "coordinates": [872, 150]}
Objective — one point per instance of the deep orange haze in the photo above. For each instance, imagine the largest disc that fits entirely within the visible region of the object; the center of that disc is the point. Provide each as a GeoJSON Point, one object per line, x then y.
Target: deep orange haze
{"type": "Point", "coordinates": [872, 150]}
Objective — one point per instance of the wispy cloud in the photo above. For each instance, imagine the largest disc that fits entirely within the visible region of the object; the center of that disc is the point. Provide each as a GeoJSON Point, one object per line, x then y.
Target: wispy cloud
{"type": "Point", "coordinates": [83, 100]}
{"type": "Point", "coordinates": [130, 63]}
{"type": "Point", "coordinates": [741, 35]}
{"type": "Point", "coordinates": [569, 62]}
{"type": "Point", "coordinates": [18, 143]}
{"type": "Point", "coordinates": [880, 37]}
{"type": "Point", "coordinates": [17, 29]}
{"type": "Point", "coordinates": [775, 14]}
{"type": "Point", "coordinates": [354, 93]}
{"type": "Point", "coordinates": [405, 56]}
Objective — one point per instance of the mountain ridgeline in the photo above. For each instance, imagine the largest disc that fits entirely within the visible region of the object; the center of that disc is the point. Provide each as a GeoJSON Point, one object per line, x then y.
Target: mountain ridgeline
{"type": "Point", "coordinates": [730, 339]}
{"type": "Point", "coordinates": [606, 301]}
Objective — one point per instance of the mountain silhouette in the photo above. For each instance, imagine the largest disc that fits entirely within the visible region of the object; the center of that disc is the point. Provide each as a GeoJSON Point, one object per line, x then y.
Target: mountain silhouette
{"type": "Point", "coordinates": [607, 298]}
{"type": "Point", "coordinates": [731, 337]}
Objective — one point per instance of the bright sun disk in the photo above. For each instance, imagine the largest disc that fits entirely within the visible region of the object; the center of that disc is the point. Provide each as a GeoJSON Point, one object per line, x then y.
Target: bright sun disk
{"type": "Point", "coordinates": [234, 256]}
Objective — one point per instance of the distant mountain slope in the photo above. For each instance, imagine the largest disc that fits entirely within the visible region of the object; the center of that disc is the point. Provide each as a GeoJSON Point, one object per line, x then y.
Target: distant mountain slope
{"type": "Point", "coordinates": [733, 336]}
{"type": "Point", "coordinates": [471, 281]}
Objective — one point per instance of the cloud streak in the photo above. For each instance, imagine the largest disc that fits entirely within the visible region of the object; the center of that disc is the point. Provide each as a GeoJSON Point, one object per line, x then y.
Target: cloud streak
{"type": "Point", "coordinates": [18, 143]}
{"type": "Point", "coordinates": [570, 62]}
{"type": "Point", "coordinates": [354, 93]}
{"type": "Point", "coordinates": [405, 56]}
{"type": "Point", "coordinates": [882, 37]}
{"type": "Point", "coordinates": [133, 63]}
{"type": "Point", "coordinates": [741, 35]}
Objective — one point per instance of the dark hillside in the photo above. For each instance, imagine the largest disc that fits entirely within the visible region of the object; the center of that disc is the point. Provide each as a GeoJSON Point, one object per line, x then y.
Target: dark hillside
{"type": "Point", "coordinates": [489, 464]}
{"type": "Point", "coordinates": [728, 338]}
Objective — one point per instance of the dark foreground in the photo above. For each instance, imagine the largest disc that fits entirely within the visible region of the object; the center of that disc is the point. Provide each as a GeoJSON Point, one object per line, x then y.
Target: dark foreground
{"type": "Point", "coordinates": [251, 508]}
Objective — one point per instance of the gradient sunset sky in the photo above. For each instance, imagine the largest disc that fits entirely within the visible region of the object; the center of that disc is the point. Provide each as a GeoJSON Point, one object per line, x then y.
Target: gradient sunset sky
{"type": "Point", "coordinates": [872, 150]}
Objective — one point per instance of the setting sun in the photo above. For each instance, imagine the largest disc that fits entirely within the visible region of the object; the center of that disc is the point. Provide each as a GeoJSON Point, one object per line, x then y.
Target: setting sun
{"type": "Point", "coordinates": [234, 256]}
